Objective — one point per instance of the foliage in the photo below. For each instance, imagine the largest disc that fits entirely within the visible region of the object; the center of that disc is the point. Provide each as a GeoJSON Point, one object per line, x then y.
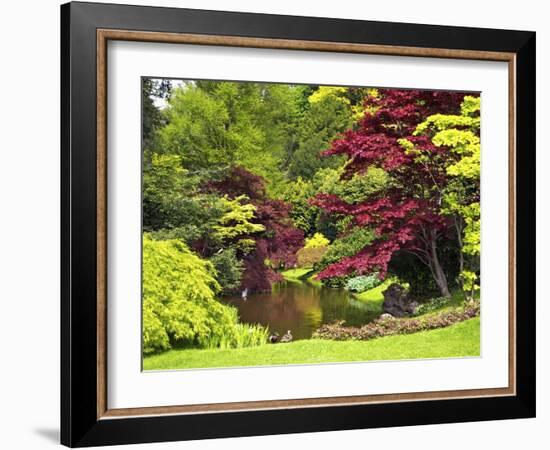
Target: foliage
{"type": "Point", "coordinates": [432, 305]}
{"type": "Point", "coordinates": [297, 193]}
{"type": "Point", "coordinates": [280, 240]}
{"type": "Point", "coordinates": [234, 224]}
{"type": "Point", "coordinates": [459, 134]}
{"type": "Point", "coordinates": [363, 283]}
{"type": "Point", "coordinates": [328, 114]}
{"type": "Point", "coordinates": [229, 269]}
{"type": "Point", "coordinates": [324, 92]}
{"type": "Point", "coordinates": [313, 250]}
{"type": "Point", "coordinates": [241, 336]}
{"type": "Point", "coordinates": [234, 178]}
{"type": "Point", "coordinates": [173, 204]}
{"type": "Point", "coordinates": [345, 246]}
{"type": "Point", "coordinates": [407, 214]}
{"type": "Point", "coordinates": [179, 305]}
{"type": "Point", "coordinates": [469, 282]}
{"type": "Point", "coordinates": [392, 326]}
{"type": "Point", "coordinates": [309, 256]}
{"type": "Point", "coordinates": [359, 187]}
{"type": "Point", "coordinates": [214, 125]}
{"type": "Point", "coordinates": [317, 240]}
{"type": "Point", "coordinates": [152, 89]}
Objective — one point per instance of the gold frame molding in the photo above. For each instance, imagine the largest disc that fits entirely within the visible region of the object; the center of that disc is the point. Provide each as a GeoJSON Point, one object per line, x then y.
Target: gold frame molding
{"type": "Point", "coordinates": [105, 35]}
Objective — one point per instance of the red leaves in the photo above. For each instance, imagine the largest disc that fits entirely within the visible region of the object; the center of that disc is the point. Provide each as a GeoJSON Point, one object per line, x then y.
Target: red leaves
{"type": "Point", "coordinates": [281, 240]}
{"type": "Point", "coordinates": [408, 214]}
{"type": "Point", "coordinates": [375, 257]}
{"type": "Point", "coordinates": [366, 150]}
{"type": "Point", "coordinates": [240, 181]}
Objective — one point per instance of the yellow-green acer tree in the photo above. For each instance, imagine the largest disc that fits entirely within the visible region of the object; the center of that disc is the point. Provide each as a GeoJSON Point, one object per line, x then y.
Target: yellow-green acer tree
{"type": "Point", "coordinates": [460, 198]}
{"type": "Point", "coordinates": [235, 223]}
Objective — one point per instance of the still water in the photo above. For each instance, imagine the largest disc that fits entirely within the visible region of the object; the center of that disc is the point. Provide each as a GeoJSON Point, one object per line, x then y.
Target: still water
{"type": "Point", "coordinates": [302, 308]}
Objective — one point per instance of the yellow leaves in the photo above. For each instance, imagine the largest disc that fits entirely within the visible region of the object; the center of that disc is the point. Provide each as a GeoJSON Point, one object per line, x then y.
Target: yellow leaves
{"type": "Point", "coordinates": [470, 105]}
{"type": "Point", "coordinates": [460, 141]}
{"type": "Point", "coordinates": [408, 146]}
{"type": "Point", "coordinates": [467, 167]}
{"type": "Point", "coordinates": [471, 214]}
{"type": "Point", "coordinates": [438, 122]}
{"type": "Point", "coordinates": [317, 240]}
{"type": "Point", "coordinates": [179, 303]}
{"type": "Point", "coordinates": [466, 144]}
{"type": "Point", "coordinates": [460, 134]}
{"type": "Point", "coordinates": [235, 221]}
{"type": "Point", "coordinates": [469, 280]}
{"type": "Point", "coordinates": [329, 91]}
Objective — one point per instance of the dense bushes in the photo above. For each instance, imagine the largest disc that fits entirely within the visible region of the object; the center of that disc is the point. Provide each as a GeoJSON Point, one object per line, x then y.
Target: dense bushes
{"type": "Point", "coordinates": [179, 305]}
{"type": "Point", "coordinates": [391, 326]}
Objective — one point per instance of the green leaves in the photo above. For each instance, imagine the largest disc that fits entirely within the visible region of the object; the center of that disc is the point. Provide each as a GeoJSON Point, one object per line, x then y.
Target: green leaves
{"type": "Point", "coordinates": [459, 134]}
{"type": "Point", "coordinates": [471, 106]}
{"type": "Point", "coordinates": [179, 304]}
{"type": "Point", "coordinates": [437, 122]}
{"type": "Point", "coordinates": [471, 242]}
{"type": "Point", "coordinates": [469, 282]}
{"type": "Point", "coordinates": [235, 222]}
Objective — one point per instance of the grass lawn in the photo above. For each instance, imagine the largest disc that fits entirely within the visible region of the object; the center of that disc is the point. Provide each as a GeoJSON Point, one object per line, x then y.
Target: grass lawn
{"type": "Point", "coordinates": [374, 297]}
{"type": "Point", "coordinates": [457, 340]}
{"type": "Point", "coordinates": [295, 274]}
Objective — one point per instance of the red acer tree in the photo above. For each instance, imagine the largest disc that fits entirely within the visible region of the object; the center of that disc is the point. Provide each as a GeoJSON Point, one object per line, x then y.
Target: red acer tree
{"type": "Point", "coordinates": [406, 216]}
{"type": "Point", "coordinates": [281, 240]}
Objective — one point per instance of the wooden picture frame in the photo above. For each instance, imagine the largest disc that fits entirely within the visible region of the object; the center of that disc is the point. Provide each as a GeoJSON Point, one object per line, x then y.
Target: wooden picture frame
{"type": "Point", "coordinates": [86, 418]}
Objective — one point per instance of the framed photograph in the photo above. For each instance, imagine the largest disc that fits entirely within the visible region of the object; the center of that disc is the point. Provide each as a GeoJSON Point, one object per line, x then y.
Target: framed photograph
{"type": "Point", "coordinates": [276, 224]}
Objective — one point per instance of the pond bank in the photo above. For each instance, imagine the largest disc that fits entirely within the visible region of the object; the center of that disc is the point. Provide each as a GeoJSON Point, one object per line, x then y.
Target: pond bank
{"type": "Point", "coordinates": [460, 340]}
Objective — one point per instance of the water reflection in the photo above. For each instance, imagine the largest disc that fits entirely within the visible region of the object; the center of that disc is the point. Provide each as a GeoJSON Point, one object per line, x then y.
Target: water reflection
{"type": "Point", "coordinates": [301, 308]}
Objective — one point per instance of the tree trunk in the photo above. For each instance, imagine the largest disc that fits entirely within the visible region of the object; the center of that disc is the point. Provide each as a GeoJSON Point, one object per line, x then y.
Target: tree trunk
{"type": "Point", "coordinates": [459, 227]}
{"type": "Point", "coordinates": [437, 271]}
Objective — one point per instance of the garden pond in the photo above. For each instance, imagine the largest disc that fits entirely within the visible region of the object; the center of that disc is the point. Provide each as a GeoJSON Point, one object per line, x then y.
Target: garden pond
{"type": "Point", "coordinates": [302, 307]}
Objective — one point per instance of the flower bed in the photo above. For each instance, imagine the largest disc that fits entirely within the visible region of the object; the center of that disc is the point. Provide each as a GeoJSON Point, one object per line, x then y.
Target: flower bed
{"type": "Point", "coordinates": [389, 326]}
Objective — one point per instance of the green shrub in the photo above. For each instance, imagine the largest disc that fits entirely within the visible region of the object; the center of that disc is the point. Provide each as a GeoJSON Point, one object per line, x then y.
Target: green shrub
{"type": "Point", "coordinates": [347, 245]}
{"type": "Point", "coordinates": [179, 305]}
{"type": "Point", "coordinates": [363, 283]}
{"type": "Point", "coordinates": [309, 256]}
{"type": "Point", "coordinates": [344, 246]}
{"type": "Point", "coordinates": [242, 335]}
